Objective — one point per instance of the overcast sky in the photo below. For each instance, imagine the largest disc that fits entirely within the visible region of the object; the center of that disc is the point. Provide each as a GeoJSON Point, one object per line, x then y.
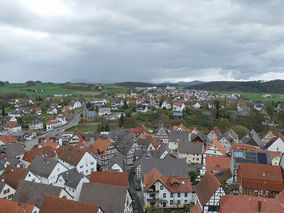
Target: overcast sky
{"type": "Point", "coordinates": [145, 40]}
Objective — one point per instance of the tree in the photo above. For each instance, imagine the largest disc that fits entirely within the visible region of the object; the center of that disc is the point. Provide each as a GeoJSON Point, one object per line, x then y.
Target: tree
{"type": "Point", "coordinates": [121, 121]}
{"type": "Point", "coordinates": [241, 130]}
{"type": "Point", "coordinates": [193, 175]}
{"type": "Point", "coordinates": [3, 111]}
{"type": "Point", "coordinates": [125, 106]}
{"type": "Point", "coordinates": [107, 129]}
{"type": "Point", "coordinates": [99, 128]}
{"type": "Point", "coordinates": [89, 105]}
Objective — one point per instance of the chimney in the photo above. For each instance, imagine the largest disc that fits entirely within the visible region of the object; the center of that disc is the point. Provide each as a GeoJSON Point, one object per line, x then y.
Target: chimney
{"type": "Point", "coordinates": [259, 207]}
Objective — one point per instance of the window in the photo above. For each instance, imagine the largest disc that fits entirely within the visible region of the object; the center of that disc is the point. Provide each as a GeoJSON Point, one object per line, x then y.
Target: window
{"type": "Point", "coordinates": [213, 208]}
{"type": "Point", "coordinates": [92, 163]}
{"type": "Point", "coordinates": [185, 201]}
{"type": "Point", "coordinates": [171, 202]}
{"type": "Point", "coordinates": [164, 195]}
{"type": "Point", "coordinates": [86, 165]}
{"type": "Point", "coordinates": [185, 194]}
{"type": "Point", "coordinates": [178, 194]}
{"type": "Point", "coordinates": [193, 158]}
{"type": "Point", "coordinates": [87, 171]}
{"type": "Point", "coordinates": [172, 194]}
{"type": "Point", "coordinates": [81, 167]}
{"type": "Point", "coordinates": [178, 202]}
{"type": "Point", "coordinates": [197, 158]}
{"type": "Point", "coordinates": [161, 187]}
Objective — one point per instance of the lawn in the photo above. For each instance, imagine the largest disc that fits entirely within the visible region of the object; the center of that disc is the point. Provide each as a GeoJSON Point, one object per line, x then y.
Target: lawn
{"type": "Point", "coordinates": [256, 96]}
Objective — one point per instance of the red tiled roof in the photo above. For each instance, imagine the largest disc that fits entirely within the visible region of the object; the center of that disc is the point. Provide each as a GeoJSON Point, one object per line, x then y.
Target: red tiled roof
{"type": "Point", "coordinates": [44, 151]}
{"type": "Point", "coordinates": [13, 175]}
{"type": "Point", "coordinates": [172, 183]}
{"type": "Point", "coordinates": [10, 206]}
{"type": "Point", "coordinates": [8, 139]}
{"type": "Point", "coordinates": [100, 146]}
{"type": "Point", "coordinates": [217, 163]}
{"type": "Point", "coordinates": [11, 124]}
{"type": "Point", "coordinates": [260, 176]}
{"type": "Point", "coordinates": [246, 203]}
{"type": "Point", "coordinates": [61, 205]}
{"type": "Point", "coordinates": [110, 178]}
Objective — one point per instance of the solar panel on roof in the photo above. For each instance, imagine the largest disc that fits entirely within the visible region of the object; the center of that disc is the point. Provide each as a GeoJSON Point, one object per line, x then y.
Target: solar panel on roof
{"type": "Point", "coordinates": [262, 158]}
{"type": "Point", "coordinates": [238, 155]}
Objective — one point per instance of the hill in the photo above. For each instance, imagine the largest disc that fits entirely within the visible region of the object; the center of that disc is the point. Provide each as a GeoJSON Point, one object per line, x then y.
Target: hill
{"type": "Point", "coordinates": [275, 86]}
{"type": "Point", "coordinates": [164, 84]}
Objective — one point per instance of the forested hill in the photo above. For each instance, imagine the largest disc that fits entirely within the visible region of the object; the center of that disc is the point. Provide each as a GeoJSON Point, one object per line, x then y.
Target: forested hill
{"type": "Point", "coordinates": [144, 84]}
{"type": "Point", "coordinates": [275, 86]}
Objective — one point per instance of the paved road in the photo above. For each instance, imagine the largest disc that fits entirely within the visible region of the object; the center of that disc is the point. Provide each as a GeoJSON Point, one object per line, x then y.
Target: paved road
{"type": "Point", "coordinates": [30, 144]}
{"type": "Point", "coordinates": [137, 207]}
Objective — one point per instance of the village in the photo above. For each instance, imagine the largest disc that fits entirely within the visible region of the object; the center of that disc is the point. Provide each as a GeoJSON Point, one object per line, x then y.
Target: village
{"type": "Point", "coordinates": [147, 150]}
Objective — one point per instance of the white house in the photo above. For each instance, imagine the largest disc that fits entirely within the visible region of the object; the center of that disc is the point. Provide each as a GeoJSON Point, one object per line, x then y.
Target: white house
{"type": "Point", "coordinates": [197, 106]}
{"type": "Point", "coordinates": [72, 181]}
{"type": "Point", "coordinates": [36, 124]}
{"type": "Point", "coordinates": [178, 106]}
{"type": "Point", "coordinates": [52, 111]}
{"type": "Point", "coordinates": [208, 198]}
{"type": "Point", "coordinates": [166, 105]}
{"type": "Point", "coordinates": [214, 149]}
{"type": "Point", "coordinates": [166, 191]}
{"type": "Point", "coordinates": [83, 161]}
{"type": "Point", "coordinates": [276, 144]}
{"type": "Point", "coordinates": [52, 124]}
{"type": "Point", "coordinates": [46, 169]}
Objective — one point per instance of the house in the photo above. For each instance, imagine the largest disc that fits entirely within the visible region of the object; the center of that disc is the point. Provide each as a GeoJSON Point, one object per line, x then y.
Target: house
{"type": "Point", "coordinates": [60, 205]}
{"type": "Point", "coordinates": [126, 146]}
{"type": "Point", "coordinates": [252, 138]}
{"type": "Point", "coordinates": [76, 138]}
{"type": "Point", "coordinates": [104, 111]}
{"type": "Point", "coordinates": [13, 126]}
{"type": "Point", "coordinates": [196, 105]}
{"type": "Point", "coordinates": [103, 150]}
{"type": "Point", "coordinates": [167, 166]}
{"type": "Point", "coordinates": [37, 110]}
{"type": "Point", "coordinates": [52, 110]}
{"type": "Point", "coordinates": [178, 106]}
{"type": "Point", "coordinates": [110, 178]}
{"type": "Point", "coordinates": [258, 107]}
{"type": "Point", "coordinates": [267, 137]}
{"type": "Point", "coordinates": [46, 169]}
{"type": "Point", "coordinates": [52, 124]}
{"type": "Point", "coordinates": [36, 124]}
{"type": "Point", "coordinates": [142, 107]}
{"type": "Point", "coordinates": [232, 136]}
{"type": "Point", "coordinates": [13, 175]}
{"type": "Point", "coordinates": [256, 157]}
{"type": "Point", "coordinates": [90, 115]}
{"type": "Point", "coordinates": [176, 137]}
{"type": "Point", "coordinates": [214, 134]}
{"type": "Point", "coordinates": [13, 150]}
{"type": "Point", "coordinates": [10, 206]}
{"type": "Point", "coordinates": [34, 193]}
{"type": "Point", "coordinates": [166, 191]}
{"type": "Point", "coordinates": [29, 135]}
{"type": "Point", "coordinates": [276, 144]}
{"type": "Point", "coordinates": [111, 198]}
{"type": "Point", "coordinates": [116, 163]}
{"type": "Point", "coordinates": [214, 149]}
{"type": "Point", "coordinates": [208, 193]}
{"type": "Point", "coordinates": [162, 134]}
{"type": "Point", "coordinates": [6, 191]}
{"type": "Point", "coordinates": [66, 108]}
{"type": "Point", "coordinates": [72, 181]}
{"type": "Point", "coordinates": [56, 139]}
{"type": "Point", "coordinates": [216, 164]}
{"type": "Point", "coordinates": [46, 152]}
{"type": "Point", "coordinates": [72, 157]}
{"type": "Point", "coordinates": [260, 179]}
{"type": "Point", "coordinates": [7, 139]}
{"type": "Point", "coordinates": [75, 104]}
{"type": "Point", "coordinates": [247, 203]}
{"type": "Point", "coordinates": [192, 152]}
{"type": "Point", "coordinates": [166, 105]}
{"type": "Point", "coordinates": [181, 127]}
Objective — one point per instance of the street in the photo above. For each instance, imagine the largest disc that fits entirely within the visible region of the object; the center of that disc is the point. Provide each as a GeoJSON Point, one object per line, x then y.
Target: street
{"type": "Point", "coordinates": [30, 144]}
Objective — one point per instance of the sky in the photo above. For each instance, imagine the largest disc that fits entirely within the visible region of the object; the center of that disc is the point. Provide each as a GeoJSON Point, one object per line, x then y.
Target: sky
{"type": "Point", "coordinates": [141, 40]}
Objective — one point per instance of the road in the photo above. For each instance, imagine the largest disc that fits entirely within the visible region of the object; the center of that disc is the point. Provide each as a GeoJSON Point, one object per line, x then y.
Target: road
{"type": "Point", "coordinates": [137, 206]}
{"type": "Point", "coordinates": [30, 144]}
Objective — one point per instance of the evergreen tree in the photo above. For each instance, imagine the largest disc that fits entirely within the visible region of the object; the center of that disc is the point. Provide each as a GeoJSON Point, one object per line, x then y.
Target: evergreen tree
{"type": "Point", "coordinates": [107, 129]}
{"type": "Point", "coordinates": [121, 121]}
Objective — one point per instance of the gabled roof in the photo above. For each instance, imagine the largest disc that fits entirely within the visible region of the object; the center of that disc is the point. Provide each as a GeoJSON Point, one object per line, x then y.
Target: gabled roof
{"type": "Point", "coordinates": [42, 166]}
{"type": "Point", "coordinates": [217, 163]}
{"type": "Point", "coordinates": [100, 146]}
{"type": "Point", "coordinates": [8, 139]}
{"type": "Point", "coordinates": [11, 124]}
{"type": "Point", "coordinates": [217, 144]}
{"type": "Point", "coordinates": [109, 197]}
{"type": "Point", "coordinates": [260, 176]}
{"type": "Point", "coordinates": [34, 193]}
{"type": "Point", "coordinates": [206, 188]}
{"type": "Point", "coordinates": [196, 209]}
{"type": "Point", "coordinates": [60, 205]}
{"type": "Point", "coordinates": [246, 203]}
{"type": "Point", "coordinates": [272, 140]}
{"type": "Point", "coordinates": [217, 131]}
{"type": "Point", "coordinates": [72, 178]}
{"type": "Point", "coordinates": [110, 178]}
{"type": "Point", "coordinates": [172, 183]}
{"type": "Point", "coordinates": [44, 151]}
{"type": "Point", "coordinates": [13, 175]}
{"type": "Point", "coordinates": [190, 147]}
{"type": "Point", "coordinates": [10, 206]}
{"type": "Point", "coordinates": [71, 154]}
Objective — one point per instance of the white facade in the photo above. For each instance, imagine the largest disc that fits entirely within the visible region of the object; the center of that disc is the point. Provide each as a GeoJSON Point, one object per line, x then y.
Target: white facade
{"type": "Point", "coordinates": [277, 146]}
{"type": "Point", "coordinates": [160, 196]}
{"type": "Point", "coordinates": [178, 108]}
{"type": "Point", "coordinates": [212, 151]}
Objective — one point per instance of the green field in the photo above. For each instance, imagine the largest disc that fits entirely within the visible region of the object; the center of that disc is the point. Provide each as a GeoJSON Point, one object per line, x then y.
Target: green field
{"type": "Point", "coordinates": [68, 88]}
{"type": "Point", "coordinates": [256, 96]}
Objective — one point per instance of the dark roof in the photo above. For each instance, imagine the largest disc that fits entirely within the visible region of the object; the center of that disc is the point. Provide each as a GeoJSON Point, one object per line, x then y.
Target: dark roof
{"type": "Point", "coordinates": [190, 147]}
{"type": "Point", "coordinates": [110, 198]}
{"type": "Point", "coordinates": [167, 166]}
{"type": "Point", "coordinates": [175, 136]}
{"type": "Point", "coordinates": [13, 149]}
{"type": "Point", "coordinates": [116, 159]}
{"type": "Point", "coordinates": [42, 166]}
{"type": "Point", "coordinates": [72, 178]}
{"type": "Point", "coordinates": [34, 193]}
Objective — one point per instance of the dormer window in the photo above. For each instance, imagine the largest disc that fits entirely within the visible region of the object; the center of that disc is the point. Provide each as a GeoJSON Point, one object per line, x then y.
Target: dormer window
{"type": "Point", "coordinates": [175, 184]}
